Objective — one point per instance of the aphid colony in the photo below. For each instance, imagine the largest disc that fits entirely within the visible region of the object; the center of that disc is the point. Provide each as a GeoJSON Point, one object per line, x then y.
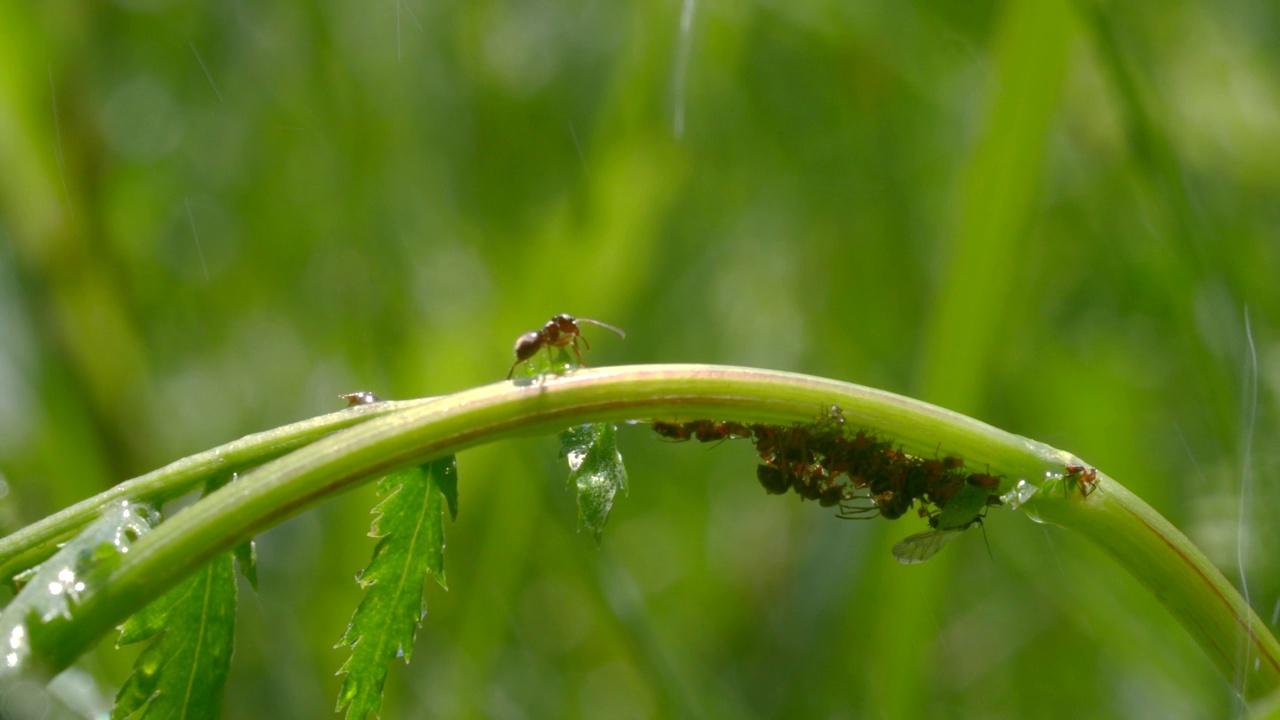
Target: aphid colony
{"type": "Point", "coordinates": [862, 474]}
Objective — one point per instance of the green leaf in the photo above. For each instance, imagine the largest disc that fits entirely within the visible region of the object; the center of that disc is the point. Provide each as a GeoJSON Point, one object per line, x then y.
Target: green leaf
{"type": "Point", "coordinates": [447, 484]}
{"type": "Point", "coordinates": [410, 524]}
{"type": "Point", "coordinates": [183, 672]}
{"type": "Point", "coordinates": [246, 554]}
{"type": "Point", "coordinates": [595, 466]}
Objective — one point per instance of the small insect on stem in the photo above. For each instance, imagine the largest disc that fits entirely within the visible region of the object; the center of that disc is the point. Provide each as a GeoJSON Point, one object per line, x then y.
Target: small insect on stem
{"type": "Point", "coordinates": [967, 508]}
{"type": "Point", "coordinates": [560, 331]}
{"type": "Point", "coordinates": [364, 397]}
{"type": "Point", "coordinates": [1083, 476]}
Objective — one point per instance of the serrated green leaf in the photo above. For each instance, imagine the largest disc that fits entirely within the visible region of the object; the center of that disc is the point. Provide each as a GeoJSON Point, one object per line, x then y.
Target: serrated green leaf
{"type": "Point", "coordinates": [181, 675]}
{"type": "Point", "coordinates": [595, 467]}
{"type": "Point", "coordinates": [410, 526]}
{"type": "Point", "coordinates": [447, 483]}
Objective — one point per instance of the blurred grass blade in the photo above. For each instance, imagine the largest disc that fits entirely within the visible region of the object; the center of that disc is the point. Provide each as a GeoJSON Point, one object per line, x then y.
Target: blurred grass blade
{"type": "Point", "coordinates": [183, 673]}
{"type": "Point", "coordinates": [410, 526]}
{"type": "Point", "coordinates": [595, 466]}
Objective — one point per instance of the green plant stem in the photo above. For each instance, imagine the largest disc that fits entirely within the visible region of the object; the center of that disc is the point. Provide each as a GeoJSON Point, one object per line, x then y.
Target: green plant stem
{"type": "Point", "coordinates": [32, 544]}
{"type": "Point", "coordinates": [1177, 573]}
{"type": "Point", "coordinates": [446, 425]}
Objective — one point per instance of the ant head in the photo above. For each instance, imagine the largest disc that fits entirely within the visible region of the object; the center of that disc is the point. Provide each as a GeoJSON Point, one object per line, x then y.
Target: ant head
{"type": "Point", "coordinates": [528, 345]}
{"type": "Point", "coordinates": [566, 324]}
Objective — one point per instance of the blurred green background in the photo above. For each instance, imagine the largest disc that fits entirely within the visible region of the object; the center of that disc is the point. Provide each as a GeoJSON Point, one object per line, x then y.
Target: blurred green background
{"type": "Point", "coordinates": [215, 217]}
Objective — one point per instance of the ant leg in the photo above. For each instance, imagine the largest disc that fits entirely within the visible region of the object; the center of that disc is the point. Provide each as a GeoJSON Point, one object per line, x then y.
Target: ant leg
{"type": "Point", "coordinates": [574, 344]}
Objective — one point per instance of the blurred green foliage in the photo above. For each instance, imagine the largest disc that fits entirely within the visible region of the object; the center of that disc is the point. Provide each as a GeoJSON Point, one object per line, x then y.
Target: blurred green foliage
{"type": "Point", "coordinates": [216, 217]}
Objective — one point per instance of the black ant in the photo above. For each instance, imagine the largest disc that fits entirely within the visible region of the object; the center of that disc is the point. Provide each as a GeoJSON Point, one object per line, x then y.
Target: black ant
{"type": "Point", "coordinates": [560, 331]}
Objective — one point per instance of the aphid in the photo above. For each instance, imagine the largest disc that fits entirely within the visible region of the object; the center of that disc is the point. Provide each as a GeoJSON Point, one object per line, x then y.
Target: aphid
{"type": "Point", "coordinates": [711, 431]}
{"type": "Point", "coordinates": [560, 331]}
{"type": "Point", "coordinates": [768, 439]}
{"type": "Point", "coordinates": [775, 481]}
{"type": "Point", "coordinates": [965, 509]}
{"type": "Point", "coordinates": [1083, 476]}
{"type": "Point", "coordinates": [364, 397]}
{"type": "Point", "coordinates": [831, 493]}
{"type": "Point", "coordinates": [985, 481]}
{"type": "Point", "coordinates": [670, 430]}
{"type": "Point", "coordinates": [702, 430]}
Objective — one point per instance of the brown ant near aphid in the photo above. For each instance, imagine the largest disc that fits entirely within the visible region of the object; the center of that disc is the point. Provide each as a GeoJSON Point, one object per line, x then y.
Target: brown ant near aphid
{"type": "Point", "coordinates": [1086, 478]}
{"type": "Point", "coordinates": [560, 331]}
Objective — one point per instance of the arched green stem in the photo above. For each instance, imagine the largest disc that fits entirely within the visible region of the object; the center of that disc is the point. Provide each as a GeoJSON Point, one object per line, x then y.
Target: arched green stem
{"type": "Point", "coordinates": [446, 425]}
{"type": "Point", "coordinates": [33, 543]}
{"type": "Point", "coordinates": [1177, 573]}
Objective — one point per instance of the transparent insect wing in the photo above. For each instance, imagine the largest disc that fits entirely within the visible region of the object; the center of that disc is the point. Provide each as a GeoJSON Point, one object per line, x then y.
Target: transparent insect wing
{"type": "Point", "coordinates": [922, 546]}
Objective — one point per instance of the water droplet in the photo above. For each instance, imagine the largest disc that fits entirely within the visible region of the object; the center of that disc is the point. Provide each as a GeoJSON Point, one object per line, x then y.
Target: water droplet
{"type": "Point", "coordinates": [57, 585]}
{"type": "Point", "coordinates": [1021, 492]}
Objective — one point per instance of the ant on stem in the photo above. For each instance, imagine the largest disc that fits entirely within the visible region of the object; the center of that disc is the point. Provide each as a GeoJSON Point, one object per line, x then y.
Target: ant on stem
{"type": "Point", "coordinates": [560, 331]}
{"type": "Point", "coordinates": [1082, 476]}
{"type": "Point", "coordinates": [364, 397]}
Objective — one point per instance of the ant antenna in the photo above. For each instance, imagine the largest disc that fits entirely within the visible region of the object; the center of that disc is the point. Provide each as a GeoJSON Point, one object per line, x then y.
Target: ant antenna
{"type": "Point", "coordinates": [622, 334]}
